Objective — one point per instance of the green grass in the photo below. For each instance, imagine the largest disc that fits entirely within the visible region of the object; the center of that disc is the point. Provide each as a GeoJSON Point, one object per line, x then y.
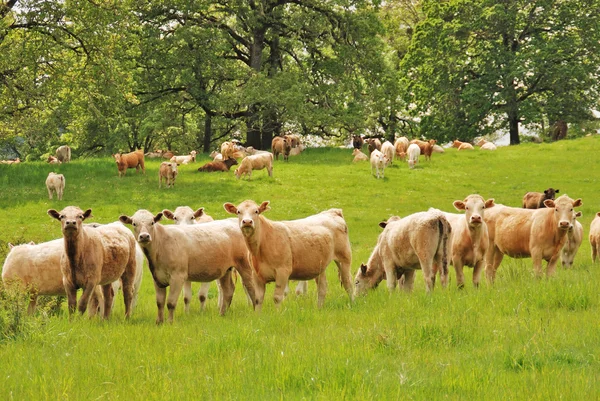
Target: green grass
{"type": "Point", "coordinates": [523, 338]}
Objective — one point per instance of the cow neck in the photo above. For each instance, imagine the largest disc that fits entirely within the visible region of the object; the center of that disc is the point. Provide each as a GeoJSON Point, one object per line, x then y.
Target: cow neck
{"type": "Point", "coordinates": [475, 233]}
{"type": "Point", "coordinates": [259, 235]}
{"type": "Point", "coordinates": [74, 246]}
{"type": "Point", "coordinates": [375, 273]}
{"type": "Point", "coordinates": [560, 236]}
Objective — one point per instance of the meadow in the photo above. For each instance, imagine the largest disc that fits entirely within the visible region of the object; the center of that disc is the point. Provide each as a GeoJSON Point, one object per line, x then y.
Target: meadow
{"type": "Point", "coordinates": [521, 338]}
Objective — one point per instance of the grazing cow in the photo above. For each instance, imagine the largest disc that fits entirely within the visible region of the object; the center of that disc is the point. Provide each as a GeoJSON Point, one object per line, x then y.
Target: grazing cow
{"type": "Point", "coordinates": [95, 256]}
{"type": "Point", "coordinates": [227, 149]}
{"type": "Point", "coordinates": [281, 145]}
{"type": "Point", "coordinates": [389, 151]}
{"type": "Point", "coordinates": [186, 215]}
{"type": "Point", "coordinates": [63, 154]}
{"type": "Point", "coordinates": [357, 142]}
{"type": "Point", "coordinates": [297, 150]}
{"type": "Point", "coordinates": [462, 145]}
{"type": "Point", "coordinates": [52, 160]}
{"type": "Point", "coordinates": [224, 165]}
{"type": "Point", "coordinates": [595, 237]}
{"type": "Point", "coordinates": [469, 239]}
{"type": "Point", "coordinates": [196, 252]}
{"type": "Point", "coordinates": [55, 183]}
{"type": "Point", "coordinates": [297, 249]}
{"type": "Point", "coordinates": [359, 156]}
{"type": "Point", "coordinates": [522, 233]}
{"type": "Point", "coordinates": [401, 146]}
{"type": "Point", "coordinates": [372, 144]}
{"type": "Point", "coordinates": [574, 240]}
{"type": "Point", "coordinates": [417, 241]}
{"type": "Point", "coordinates": [255, 162]}
{"type": "Point", "coordinates": [130, 160]}
{"type": "Point", "coordinates": [426, 147]}
{"type": "Point", "coordinates": [535, 200]}
{"type": "Point", "coordinates": [413, 155]}
{"type": "Point", "coordinates": [485, 145]}
{"type": "Point", "coordinates": [167, 172]}
{"type": "Point", "coordinates": [378, 161]}
{"type": "Point", "coordinates": [185, 159]}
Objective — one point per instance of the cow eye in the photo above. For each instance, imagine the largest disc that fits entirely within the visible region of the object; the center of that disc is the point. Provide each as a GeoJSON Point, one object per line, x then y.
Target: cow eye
{"type": "Point", "coordinates": [174, 217]}
{"type": "Point", "coordinates": [238, 212]}
{"type": "Point", "coordinates": [133, 224]}
{"type": "Point", "coordinates": [62, 216]}
{"type": "Point", "coordinates": [256, 212]}
{"type": "Point", "coordinates": [152, 223]}
{"type": "Point", "coordinates": [467, 208]}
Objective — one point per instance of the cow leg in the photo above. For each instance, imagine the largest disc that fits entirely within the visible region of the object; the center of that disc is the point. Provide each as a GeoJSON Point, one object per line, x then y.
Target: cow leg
{"type": "Point", "coordinates": [71, 296]}
{"type": "Point", "coordinates": [343, 263]}
{"type": "Point", "coordinates": [32, 303]}
{"type": "Point", "coordinates": [94, 304]}
{"type": "Point", "coordinates": [302, 288]}
{"type": "Point", "coordinates": [428, 276]}
{"type": "Point", "coordinates": [85, 297]}
{"type": "Point", "coordinates": [259, 287]}
{"type": "Point", "coordinates": [391, 276]}
{"type": "Point", "coordinates": [477, 270]}
{"type": "Point", "coordinates": [187, 296]}
{"type": "Point", "coordinates": [321, 280]}
{"type": "Point", "coordinates": [493, 260]}
{"type": "Point", "coordinates": [175, 287]}
{"type": "Point", "coordinates": [109, 294]}
{"type": "Point", "coordinates": [536, 257]}
{"type": "Point", "coordinates": [409, 279]}
{"type": "Point", "coordinates": [460, 276]}
{"type": "Point", "coordinates": [161, 295]}
{"type": "Point", "coordinates": [594, 251]}
{"type": "Point", "coordinates": [226, 288]}
{"type": "Point", "coordinates": [49, 193]}
{"type": "Point", "coordinates": [249, 281]}
{"type": "Point", "coordinates": [287, 290]}
{"type": "Point", "coordinates": [203, 295]}
{"type": "Point", "coordinates": [281, 281]}
{"type": "Point", "coordinates": [551, 268]}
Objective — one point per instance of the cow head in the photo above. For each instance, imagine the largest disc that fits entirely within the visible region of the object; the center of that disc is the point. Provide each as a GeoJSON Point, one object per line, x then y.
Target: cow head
{"type": "Point", "coordinates": [71, 219]}
{"type": "Point", "coordinates": [117, 157]}
{"type": "Point", "coordinates": [143, 223]}
{"type": "Point", "coordinates": [564, 214]}
{"type": "Point", "coordinates": [248, 213]}
{"type": "Point", "coordinates": [474, 206]}
{"type": "Point", "coordinates": [183, 215]}
{"type": "Point", "coordinates": [550, 193]}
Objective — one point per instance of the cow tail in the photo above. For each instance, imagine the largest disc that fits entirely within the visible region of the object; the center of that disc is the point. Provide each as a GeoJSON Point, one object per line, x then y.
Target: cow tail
{"type": "Point", "coordinates": [444, 230]}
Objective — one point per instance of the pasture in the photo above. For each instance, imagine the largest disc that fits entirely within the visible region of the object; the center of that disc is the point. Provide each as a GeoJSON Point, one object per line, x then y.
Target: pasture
{"type": "Point", "coordinates": [522, 338]}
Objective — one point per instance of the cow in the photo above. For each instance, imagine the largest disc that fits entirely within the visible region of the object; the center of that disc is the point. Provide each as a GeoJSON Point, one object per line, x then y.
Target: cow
{"type": "Point", "coordinates": [224, 165]}
{"type": "Point", "coordinates": [297, 150]}
{"type": "Point", "coordinates": [55, 183]}
{"type": "Point", "coordinates": [359, 156]}
{"type": "Point", "coordinates": [293, 139]}
{"type": "Point", "coordinates": [574, 240]}
{"type": "Point", "coordinates": [418, 241]}
{"type": "Point", "coordinates": [216, 156]}
{"type": "Point", "coordinates": [438, 149]}
{"type": "Point", "coordinates": [154, 155]}
{"type": "Point", "coordinates": [227, 149]}
{"type": "Point", "coordinates": [535, 200]}
{"type": "Point", "coordinates": [426, 147]}
{"type": "Point", "coordinates": [95, 256]}
{"type": "Point", "coordinates": [196, 252]}
{"type": "Point", "coordinates": [15, 161]}
{"type": "Point", "coordinates": [372, 144]}
{"type": "Point", "coordinates": [167, 172]}
{"type": "Point", "coordinates": [63, 154]}
{"type": "Point", "coordinates": [522, 233]}
{"type": "Point", "coordinates": [191, 158]}
{"type": "Point", "coordinates": [389, 151]}
{"type": "Point", "coordinates": [462, 145]}
{"type": "Point", "coordinates": [357, 142]}
{"type": "Point", "coordinates": [469, 239]}
{"type": "Point", "coordinates": [255, 162]}
{"type": "Point", "coordinates": [413, 152]}
{"type": "Point", "coordinates": [130, 160]}
{"type": "Point", "coordinates": [295, 249]}
{"type": "Point", "coordinates": [167, 155]}
{"type": "Point", "coordinates": [378, 161]}
{"type": "Point", "coordinates": [281, 145]}
{"type": "Point", "coordinates": [594, 236]}
{"type": "Point", "coordinates": [52, 160]}
{"type": "Point", "coordinates": [401, 146]}
{"type": "Point", "coordinates": [486, 145]}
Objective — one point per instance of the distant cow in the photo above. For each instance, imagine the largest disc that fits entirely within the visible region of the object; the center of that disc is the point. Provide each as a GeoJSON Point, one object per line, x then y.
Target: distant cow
{"type": "Point", "coordinates": [413, 153]}
{"type": "Point", "coordinates": [357, 142]}
{"type": "Point", "coordinates": [389, 151]}
{"type": "Point", "coordinates": [167, 172]}
{"type": "Point", "coordinates": [595, 237]}
{"type": "Point", "coordinates": [372, 144]}
{"type": "Point", "coordinates": [574, 240]}
{"type": "Point", "coordinates": [255, 162]}
{"type": "Point", "coordinates": [224, 165]}
{"type": "Point", "coordinates": [63, 154]}
{"type": "Point", "coordinates": [55, 183]}
{"type": "Point", "coordinates": [281, 145]}
{"type": "Point", "coordinates": [154, 155]}
{"type": "Point", "coordinates": [52, 160]}
{"type": "Point", "coordinates": [462, 145]}
{"type": "Point", "coordinates": [191, 158]}
{"type": "Point", "coordinates": [417, 241]}
{"type": "Point", "coordinates": [359, 156]}
{"type": "Point", "coordinates": [401, 146]}
{"type": "Point", "coordinates": [130, 160]}
{"type": "Point", "coordinates": [227, 149]}
{"type": "Point", "coordinates": [426, 147]}
{"type": "Point", "coordinates": [294, 249]}
{"type": "Point", "coordinates": [535, 200]}
{"type": "Point", "coordinates": [522, 233]}
{"type": "Point", "coordinates": [378, 162]}
{"type": "Point", "coordinates": [485, 145]}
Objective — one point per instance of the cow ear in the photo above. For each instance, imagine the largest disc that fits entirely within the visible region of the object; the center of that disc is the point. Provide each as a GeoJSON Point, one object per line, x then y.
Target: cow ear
{"type": "Point", "coordinates": [53, 213]}
{"type": "Point", "coordinates": [158, 217]}
{"type": "Point", "coordinates": [87, 214]}
{"type": "Point", "coordinates": [489, 203]}
{"type": "Point", "coordinates": [549, 203]}
{"type": "Point", "coordinates": [363, 269]}
{"type": "Point", "coordinates": [598, 214]}
{"type": "Point", "coordinates": [230, 208]}
{"type": "Point", "coordinates": [578, 214]}
{"type": "Point", "coordinates": [459, 205]}
{"type": "Point", "coordinates": [557, 191]}
{"type": "Point", "coordinates": [10, 246]}
{"type": "Point", "coordinates": [383, 224]}
{"type": "Point", "coordinates": [125, 219]}
{"type": "Point", "coordinates": [199, 212]}
{"type": "Point", "coordinates": [264, 207]}
{"type": "Point", "coordinates": [577, 203]}
{"type": "Point", "coordinates": [168, 214]}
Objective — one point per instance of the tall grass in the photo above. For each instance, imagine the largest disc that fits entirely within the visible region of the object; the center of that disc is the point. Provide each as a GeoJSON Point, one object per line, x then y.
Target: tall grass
{"type": "Point", "coordinates": [523, 338]}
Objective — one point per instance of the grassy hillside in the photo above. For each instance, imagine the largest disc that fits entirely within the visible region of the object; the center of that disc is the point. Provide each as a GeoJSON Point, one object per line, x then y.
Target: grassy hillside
{"type": "Point", "coordinates": [522, 338]}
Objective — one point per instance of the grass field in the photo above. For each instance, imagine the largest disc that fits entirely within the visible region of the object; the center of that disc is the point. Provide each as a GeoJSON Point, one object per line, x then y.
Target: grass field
{"type": "Point", "coordinates": [522, 338]}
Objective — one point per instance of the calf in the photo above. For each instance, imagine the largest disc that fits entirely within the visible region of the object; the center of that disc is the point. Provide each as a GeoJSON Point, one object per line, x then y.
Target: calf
{"type": "Point", "coordinates": [95, 256]}
{"type": "Point", "coordinates": [389, 151]}
{"type": "Point", "coordinates": [55, 183]}
{"type": "Point", "coordinates": [167, 172]}
{"type": "Point", "coordinates": [595, 237]}
{"type": "Point", "coordinates": [574, 240]}
{"type": "Point", "coordinates": [522, 233]}
{"type": "Point", "coordinates": [224, 165]}
{"type": "Point", "coordinates": [413, 155]}
{"type": "Point", "coordinates": [462, 145]}
{"type": "Point", "coordinates": [401, 146]}
{"type": "Point", "coordinates": [130, 160]}
{"type": "Point", "coordinates": [197, 252]}
{"type": "Point", "coordinates": [297, 150]}
{"type": "Point", "coordinates": [227, 149]}
{"type": "Point", "coordinates": [378, 161]}
{"type": "Point", "coordinates": [417, 241]}
{"type": "Point", "coordinates": [185, 159]}
{"type": "Point", "coordinates": [297, 249]}
{"type": "Point", "coordinates": [485, 145]}
{"type": "Point", "coordinates": [216, 156]}
{"type": "Point", "coordinates": [359, 156]}
{"type": "Point", "coordinates": [281, 145]}
{"type": "Point", "coordinates": [535, 200]}
{"type": "Point", "coordinates": [255, 162]}
{"type": "Point", "coordinates": [426, 147]}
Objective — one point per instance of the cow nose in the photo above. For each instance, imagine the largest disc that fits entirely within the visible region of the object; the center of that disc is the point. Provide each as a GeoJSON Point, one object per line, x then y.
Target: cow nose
{"type": "Point", "coordinates": [476, 218]}
{"type": "Point", "coordinates": [564, 224]}
{"type": "Point", "coordinates": [70, 223]}
{"type": "Point", "coordinates": [143, 237]}
{"type": "Point", "coordinates": [246, 222]}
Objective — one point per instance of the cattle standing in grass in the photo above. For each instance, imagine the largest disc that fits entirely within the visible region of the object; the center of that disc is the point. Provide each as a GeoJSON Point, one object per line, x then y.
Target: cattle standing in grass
{"type": "Point", "coordinates": [574, 240]}
{"type": "Point", "coordinates": [55, 183]}
{"type": "Point", "coordinates": [63, 154]}
{"type": "Point", "coordinates": [535, 200]}
{"type": "Point", "coordinates": [417, 241]}
{"type": "Point", "coordinates": [389, 151]}
{"type": "Point", "coordinates": [297, 249]}
{"type": "Point", "coordinates": [522, 233]}
{"type": "Point", "coordinates": [372, 144]}
{"type": "Point", "coordinates": [359, 156]}
{"type": "Point", "coordinates": [595, 236]}
{"type": "Point", "coordinates": [167, 172]}
{"type": "Point", "coordinates": [95, 256]}
{"type": "Point", "coordinates": [281, 145]}
{"type": "Point", "coordinates": [469, 239]}
{"type": "Point", "coordinates": [255, 162]}
{"type": "Point", "coordinates": [227, 149]}
{"type": "Point", "coordinates": [130, 160]}
{"type": "Point", "coordinates": [426, 147]}
{"type": "Point", "coordinates": [413, 155]}
{"type": "Point", "coordinates": [357, 142]}
{"type": "Point", "coordinates": [197, 252]}
{"type": "Point", "coordinates": [401, 146]}
{"type": "Point", "coordinates": [378, 162]}
{"type": "Point", "coordinates": [224, 165]}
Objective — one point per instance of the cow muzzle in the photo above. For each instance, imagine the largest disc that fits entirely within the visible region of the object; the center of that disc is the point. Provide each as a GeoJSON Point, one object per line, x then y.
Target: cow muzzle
{"type": "Point", "coordinates": [476, 219]}
{"type": "Point", "coordinates": [144, 238]}
{"type": "Point", "coordinates": [564, 225]}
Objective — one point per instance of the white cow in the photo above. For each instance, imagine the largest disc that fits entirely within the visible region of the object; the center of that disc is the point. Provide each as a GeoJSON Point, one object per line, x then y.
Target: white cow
{"type": "Point", "coordinates": [413, 153]}
{"type": "Point", "coordinates": [55, 183]}
{"type": "Point", "coordinates": [378, 162]}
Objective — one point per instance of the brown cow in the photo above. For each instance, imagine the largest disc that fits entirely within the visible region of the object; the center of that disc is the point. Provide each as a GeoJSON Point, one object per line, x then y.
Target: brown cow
{"type": "Point", "coordinates": [426, 147]}
{"type": "Point", "coordinates": [535, 200]}
{"type": "Point", "coordinates": [167, 172]}
{"type": "Point", "coordinates": [401, 146]}
{"type": "Point", "coordinates": [297, 249]}
{"type": "Point", "coordinates": [95, 256]}
{"type": "Point", "coordinates": [130, 160]}
{"type": "Point", "coordinates": [595, 237]}
{"type": "Point", "coordinates": [417, 241]}
{"type": "Point", "coordinates": [281, 145]}
{"type": "Point", "coordinates": [372, 144]}
{"type": "Point", "coordinates": [224, 165]}
{"type": "Point", "coordinates": [462, 145]}
{"type": "Point", "coordinates": [357, 142]}
{"type": "Point", "coordinates": [522, 233]}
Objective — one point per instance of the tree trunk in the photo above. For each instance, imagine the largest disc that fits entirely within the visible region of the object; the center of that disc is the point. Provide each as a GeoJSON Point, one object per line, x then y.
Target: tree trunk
{"type": "Point", "coordinates": [513, 119]}
{"type": "Point", "coordinates": [253, 137]}
{"type": "Point", "coordinates": [559, 130]}
{"type": "Point", "coordinates": [207, 133]}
